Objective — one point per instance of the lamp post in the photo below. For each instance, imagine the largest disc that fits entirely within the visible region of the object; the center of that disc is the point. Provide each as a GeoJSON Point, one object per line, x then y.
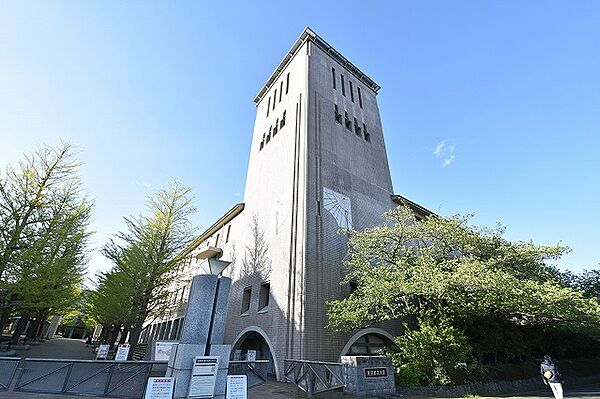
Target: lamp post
{"type": "Point", "coordinates": [203, 328]}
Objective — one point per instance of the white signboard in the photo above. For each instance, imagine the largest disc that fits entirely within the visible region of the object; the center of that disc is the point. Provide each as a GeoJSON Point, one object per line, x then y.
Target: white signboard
{"type": "Point", "coordinates": [204, 376]}
{"type": "Point", "coordinates": [160, 388]}
{"type": "Point", "coordinates": [122, 352]}
{"type": "Point", "coordinates": [102, 351]}
{"type": "Point", "coordinates": [251, 355]}
{"type": "Point", "coordinates": [237, 387]}
{"type": "Point", "coordinates": [162, 350]}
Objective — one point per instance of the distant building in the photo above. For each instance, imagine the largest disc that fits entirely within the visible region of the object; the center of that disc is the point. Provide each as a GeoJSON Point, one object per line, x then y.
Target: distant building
{"type": "Point", "coordinates": [318, 164]}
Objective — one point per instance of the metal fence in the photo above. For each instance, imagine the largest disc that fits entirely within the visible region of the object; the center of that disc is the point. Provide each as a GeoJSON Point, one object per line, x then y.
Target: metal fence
{"type": "Point", "coordinates": [87, 377]}
{"type": "Point", "coordinates": [255, 370]}
{"type": "Point", "coordinates": [314, 377]}
{"type": "Point", "coordinates": [8, 367]}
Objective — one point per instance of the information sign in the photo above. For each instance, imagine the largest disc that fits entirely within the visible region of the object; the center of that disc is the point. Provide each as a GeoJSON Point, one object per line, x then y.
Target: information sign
{"type": "Point", "coordinates": [160, 388]}
{"type": "Point", "coordinates": [122, 352]}
{"type": "Point", "coordinates": [162, 350]}
{"type": "Point", "coordinates": [237, 387]}
{"type": "Point", "coordinates": [376, 372]}
{"type": "Point", "coordinates": [204, 376]}
{"type": "Point", "coordinates": [251, 355]}
{"type": "Point", "coordinates": [102, 351]}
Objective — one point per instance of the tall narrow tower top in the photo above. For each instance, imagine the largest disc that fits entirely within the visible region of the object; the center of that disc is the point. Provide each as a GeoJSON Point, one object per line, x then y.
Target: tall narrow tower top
{"type": "Point", "coordinates": [309, 35]}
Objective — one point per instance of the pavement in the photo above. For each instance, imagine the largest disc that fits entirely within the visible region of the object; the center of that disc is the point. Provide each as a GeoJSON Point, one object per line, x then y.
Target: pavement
{"type": "Point", "coordinates": [59, 348]}
{"type": "Point", "coordinates": [65, 348]}
{"type": "Point", "coordinates": [275, 390]}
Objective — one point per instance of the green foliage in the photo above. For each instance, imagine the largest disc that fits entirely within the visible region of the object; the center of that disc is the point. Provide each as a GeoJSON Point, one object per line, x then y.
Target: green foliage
{"type": "Point", "coordinates": [407, 375]}
{"type": "Point", "coordinates": [145, 261]}
{"type": "Point", "coordinates": [433, 351]}
{"type": "Point", "coordinates": [45, 217]}
{"type": "Point", "coordinates": [487, 294]}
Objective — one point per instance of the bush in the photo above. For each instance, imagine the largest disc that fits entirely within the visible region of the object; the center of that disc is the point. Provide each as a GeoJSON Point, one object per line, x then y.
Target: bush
{"type": "Point", "coordinates": [431, 353]}
{"type": "Point", "coordinates": [408, 376]}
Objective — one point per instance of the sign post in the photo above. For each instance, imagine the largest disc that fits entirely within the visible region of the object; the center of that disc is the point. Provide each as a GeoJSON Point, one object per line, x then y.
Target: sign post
{"type": "Point", "coordinates": [204, 376]}
{"type": "Point", "coordinates": [122, 352]}
{"type": "Point", "coordinates": [160, 388]}
{"type": "Point", "coordinates": [102, 351]}
{"type": "Point", "coordinates": [163, 349]}
{"type": "Point", "coordinates": [237, 387]}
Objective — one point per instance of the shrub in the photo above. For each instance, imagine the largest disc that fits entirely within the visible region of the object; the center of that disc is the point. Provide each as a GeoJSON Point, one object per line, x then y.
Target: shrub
{"type": "Point", "coordinates": [431, 353]}
{"type": "Point", "coordinates": [408, 376]}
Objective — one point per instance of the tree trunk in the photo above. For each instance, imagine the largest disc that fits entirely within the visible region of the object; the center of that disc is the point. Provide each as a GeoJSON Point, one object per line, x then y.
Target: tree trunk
{"type": "Point", "coordinates": [124, 335]}
{"type": "Point", "coordinates": [134, 337]}
{"type": "Point", "coordinates": [4, 317]}
{"type": "Point", "coordinates": [21, 324]}
{"type": "Point", "coordinates": [40, 328]}
{"type": "Point", "coordinates": [113, 335]}
{"type": "Point", "coordinates": [33, 328]}
{"type": "Point", "coordinates": [103, 337]}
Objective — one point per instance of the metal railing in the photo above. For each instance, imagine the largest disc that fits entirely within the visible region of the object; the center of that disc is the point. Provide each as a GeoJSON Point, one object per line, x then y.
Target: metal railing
{"type": "Point", "coordinates": [255, 370]}
{"type": "Point", "coordinates": [87, 377]}
{"type": "Point", "coordinates": [315, 377]}
{"type": "Point", "coordinates": [8, 367]}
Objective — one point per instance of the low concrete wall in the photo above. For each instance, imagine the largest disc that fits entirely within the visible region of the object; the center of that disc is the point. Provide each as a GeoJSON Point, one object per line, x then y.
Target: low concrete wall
{"type": "Point", "coordinates": [492, 388]}
{"type": "Point", "coordinates": [368, 375]}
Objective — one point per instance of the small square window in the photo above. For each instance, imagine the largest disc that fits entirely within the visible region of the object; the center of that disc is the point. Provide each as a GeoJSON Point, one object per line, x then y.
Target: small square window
{"type": "Point", "coordinates": [246, 300]}
{"type": "Point", "coordinates": [265, 293]}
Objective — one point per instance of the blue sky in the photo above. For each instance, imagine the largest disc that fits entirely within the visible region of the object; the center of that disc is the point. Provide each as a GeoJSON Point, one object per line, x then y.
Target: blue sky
{"type": "Point", "coordinates": [490, 107]}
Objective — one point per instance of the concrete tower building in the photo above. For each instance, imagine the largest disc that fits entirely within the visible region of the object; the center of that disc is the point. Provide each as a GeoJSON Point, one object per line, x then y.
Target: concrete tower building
{"type": "Point", "coordinates": [318, 164]}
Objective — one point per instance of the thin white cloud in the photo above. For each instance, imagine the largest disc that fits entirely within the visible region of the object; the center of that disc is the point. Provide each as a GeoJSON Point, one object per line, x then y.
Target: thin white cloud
{"type": "Point", "coordinates": [143, 184]}
{"type": "Point", "coordinates": [444, 151]}
{"type": "Point", "coordinates": [439, 148]}
{"type": "Point", "coordinates": [448, 161]}
{"type": "Point", "coordinates": [237, 194]}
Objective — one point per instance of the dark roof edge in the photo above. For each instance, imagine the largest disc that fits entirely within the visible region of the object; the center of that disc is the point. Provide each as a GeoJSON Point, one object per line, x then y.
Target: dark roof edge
{"type": "Point", "coordinates": [309, 34]}
{"type": "Point", "coordinates": [400, 200]}
{"type": "Point", "coordinates": [227, 217]}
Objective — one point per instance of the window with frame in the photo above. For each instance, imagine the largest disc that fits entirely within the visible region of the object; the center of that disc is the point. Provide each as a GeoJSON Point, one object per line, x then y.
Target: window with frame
{"type": "Point", "coordinates": [338, 116]}
{"type": "Point", "coordinates": [280, 90]}
{"type": "Point", "coordinates": [227, 235]}
{"type": "Point", "coordinates": [287, 83]}
{"type": "Point", "coordinates": [357, 128]}
{"type": "Point", "coordinates": [282, 121]}
{"type": "Point", "coordinates": [359, 97]}
{"type": "Point", "coordinates": [246, 300]}
{"type": "Point", "coordinates": [275, 99]}
{"type": "Point", "coordinates": [366, 133]}
{"type": "Point", "coordinates": [347, 120]}
{"type": "Point", "coordinates": [268, 106]}
{"type": "Point", "coordinates": [343, 85]}
{"type": "Point", "coordinates": [333, 77]}
{"type": "Point", "coordinates": [264, 296]}
{"type": "Point", "coordinates": [351, 90]}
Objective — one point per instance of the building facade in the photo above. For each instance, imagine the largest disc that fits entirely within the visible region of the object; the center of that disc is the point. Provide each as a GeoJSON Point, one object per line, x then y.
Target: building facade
{"type": "Point", "coordinates": [318, 165]}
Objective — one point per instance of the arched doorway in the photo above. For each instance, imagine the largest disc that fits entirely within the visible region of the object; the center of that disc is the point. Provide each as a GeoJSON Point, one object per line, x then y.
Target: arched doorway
{"type": "Point", "coordinates": [254, 338]}
{"type": "Point", "coordinates": [369, 341]}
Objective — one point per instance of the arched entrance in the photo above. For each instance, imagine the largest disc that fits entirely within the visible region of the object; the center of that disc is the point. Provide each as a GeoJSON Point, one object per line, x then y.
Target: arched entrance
{"type": "Point", "coordinates": [369, 341]}
{"type": "Point", "coordinates": [254, 338]}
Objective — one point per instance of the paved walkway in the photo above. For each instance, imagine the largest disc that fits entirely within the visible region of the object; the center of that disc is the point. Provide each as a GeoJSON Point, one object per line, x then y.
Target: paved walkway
{"type": "Point", "coordinates": [286, 391]}
{"type": "Point", "coordinates": [59, 348]}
